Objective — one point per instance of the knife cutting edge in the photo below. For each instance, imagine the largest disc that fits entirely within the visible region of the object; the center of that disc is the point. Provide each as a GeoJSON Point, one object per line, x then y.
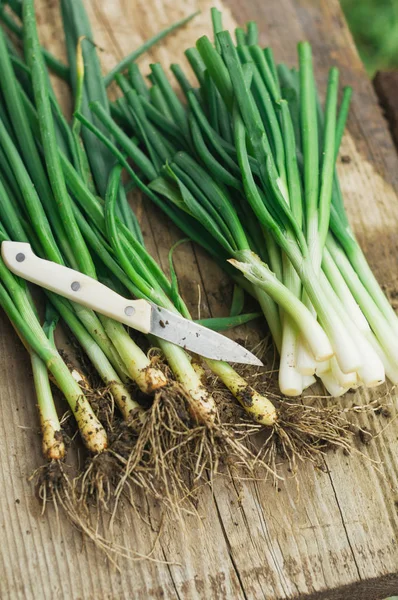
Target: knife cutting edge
{"type": "Point", "coordinates": [141, 315]}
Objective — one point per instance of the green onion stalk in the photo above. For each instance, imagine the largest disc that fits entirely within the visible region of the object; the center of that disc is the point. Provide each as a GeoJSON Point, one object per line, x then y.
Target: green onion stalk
{"type": "Point", "coordinates": [17, 304]}
{"type": "Point", "coordinates": [250, 167]}
{"type": "Point", "coordinates": [146, 276]}
{"type": "Point", "coordinates": [18, 232]}
{"type": "Point", "coordinates": [359, 305]}
{"type": "Point", "coordinates": [258, 406]}
{"type": "Point", "coordinates": [122, 352]}
{"type": "Point", "coordinates": [56, 66]}
{"type": "Point", "coordinates": [291, 381]}
{"type": "Point", "coordinates": [53, 444]}
{"type": "Point", "coordinates": [113, 339]}
{"type": "Point", "coordinates": [347, 360]}
{"type": "Point", "coordinates": [242, 248]}
{"type": "Point", "coordinates": [91, 86]}
{"type": "Point", "coordinates": [246, 120]}
{"type": "Point", "coordinates": [203, 407]}
{"type": "Point", "coordinates": [317, 210]}
{"type": "Point", "coordinates": [26, 220]}
{"type": "Point", "coordinates": [117, 367]}
{"type": "Point", "coordinates": [311, 175]}
{"type": "Point", "coordinates": [25, 169]}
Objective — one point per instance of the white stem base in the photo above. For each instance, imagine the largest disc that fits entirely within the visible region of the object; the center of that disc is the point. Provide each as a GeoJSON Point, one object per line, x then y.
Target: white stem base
{"type": "Point", "coordinates": [258, 273]}
{"type": "Point", "coordinates": [290, 380]}
{"type": "Point", "coordinates": [256, 405]}
{"type": "Point", "coordinates": [308, 381]}
{"type": "Point", "coordinates": [306, 363]}
{"type": "Point", "coordinates": [332, 386]}
{"type": "Point", "coordinates": [202, 405]}
{"type": "Point", "coordinates": [346, 380]}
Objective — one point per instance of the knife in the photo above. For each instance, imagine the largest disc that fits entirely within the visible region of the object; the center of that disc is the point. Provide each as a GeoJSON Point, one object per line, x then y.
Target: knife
{"type": "Point", "coordinates": [141, 315]}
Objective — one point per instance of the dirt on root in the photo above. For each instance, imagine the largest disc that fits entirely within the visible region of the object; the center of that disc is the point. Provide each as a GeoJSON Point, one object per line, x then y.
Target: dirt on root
{"type": "Point", "coordinates": [49, 481]}
{"type": "Point", "coordinates": [162, 452]}
{"type": "Point", "coordinates": [307, 427]}
{"type": "Point", "coordinates": [166, 453]}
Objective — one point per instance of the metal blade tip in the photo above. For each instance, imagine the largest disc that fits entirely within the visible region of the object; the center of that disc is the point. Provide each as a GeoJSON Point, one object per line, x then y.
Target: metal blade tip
{"type": "Point", "coordinates": [196, 338]}
{"type": "Point", "coordinates": [252, 360]}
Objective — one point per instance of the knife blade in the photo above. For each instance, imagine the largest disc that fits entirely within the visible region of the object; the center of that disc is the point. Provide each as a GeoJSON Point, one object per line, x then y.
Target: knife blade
{"type": "Point", "coordinates": [141, 315]}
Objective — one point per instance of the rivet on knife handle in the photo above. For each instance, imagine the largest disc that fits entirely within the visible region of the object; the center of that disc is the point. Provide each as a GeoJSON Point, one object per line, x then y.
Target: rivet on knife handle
{"type": "Point", "coordinates": [21, 260]}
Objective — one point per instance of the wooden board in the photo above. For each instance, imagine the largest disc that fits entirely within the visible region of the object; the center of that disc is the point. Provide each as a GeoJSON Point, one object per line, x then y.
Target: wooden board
{"type": "Point", "coordinates": [337, 538]}
{"type": "Point", "coordinates": [386, 86]}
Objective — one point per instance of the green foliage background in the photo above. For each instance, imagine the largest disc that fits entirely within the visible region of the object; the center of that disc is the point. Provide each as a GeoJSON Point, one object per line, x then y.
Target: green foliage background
{"type": "Point", "coordinates": [374, 25]}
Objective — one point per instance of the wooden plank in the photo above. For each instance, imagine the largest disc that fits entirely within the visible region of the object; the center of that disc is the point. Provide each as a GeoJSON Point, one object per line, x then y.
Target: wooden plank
{"type": "Point", "coordinates": [336, 537]}
{"type": "Point", "coordinates": [386, 86]}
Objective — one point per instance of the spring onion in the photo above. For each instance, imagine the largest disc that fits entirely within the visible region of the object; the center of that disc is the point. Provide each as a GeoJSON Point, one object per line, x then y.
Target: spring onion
{"type": "Point", "coordinates": [139, 268]}
{"type": "Point", "coordinates": [269, 197]}
{"type": "Point", "coordinates": [50, 188]}
{"type": "Point", "coordinates": [17, 305]}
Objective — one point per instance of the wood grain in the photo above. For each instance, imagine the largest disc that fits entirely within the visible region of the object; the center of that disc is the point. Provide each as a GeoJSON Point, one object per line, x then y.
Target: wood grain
{"type": "Point", "coordinates": [386, 86]}
{"type": "Point", "coordinates": [335, 537]}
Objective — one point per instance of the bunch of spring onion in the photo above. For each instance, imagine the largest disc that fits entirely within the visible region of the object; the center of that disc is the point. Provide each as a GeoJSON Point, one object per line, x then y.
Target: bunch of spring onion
{"type": "Point", "coordinates": [246, 168]}
{"type": "Point", "coordinates": [50, 197]}
{"type": "Point", "coordinates": [35, 207]}
{"type": "Point", "coordinates": [120, 228]}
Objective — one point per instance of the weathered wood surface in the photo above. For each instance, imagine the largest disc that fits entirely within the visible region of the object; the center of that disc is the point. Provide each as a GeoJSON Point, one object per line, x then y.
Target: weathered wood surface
{"type": "Point", "coordinates": [386, 86]}
{"type": "Point", "coordinates": [337, 538]}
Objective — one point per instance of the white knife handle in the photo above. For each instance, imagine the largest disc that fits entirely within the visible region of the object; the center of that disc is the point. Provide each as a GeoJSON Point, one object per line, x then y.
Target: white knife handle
{"type": "Point", "coordinates": [21, 260]}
